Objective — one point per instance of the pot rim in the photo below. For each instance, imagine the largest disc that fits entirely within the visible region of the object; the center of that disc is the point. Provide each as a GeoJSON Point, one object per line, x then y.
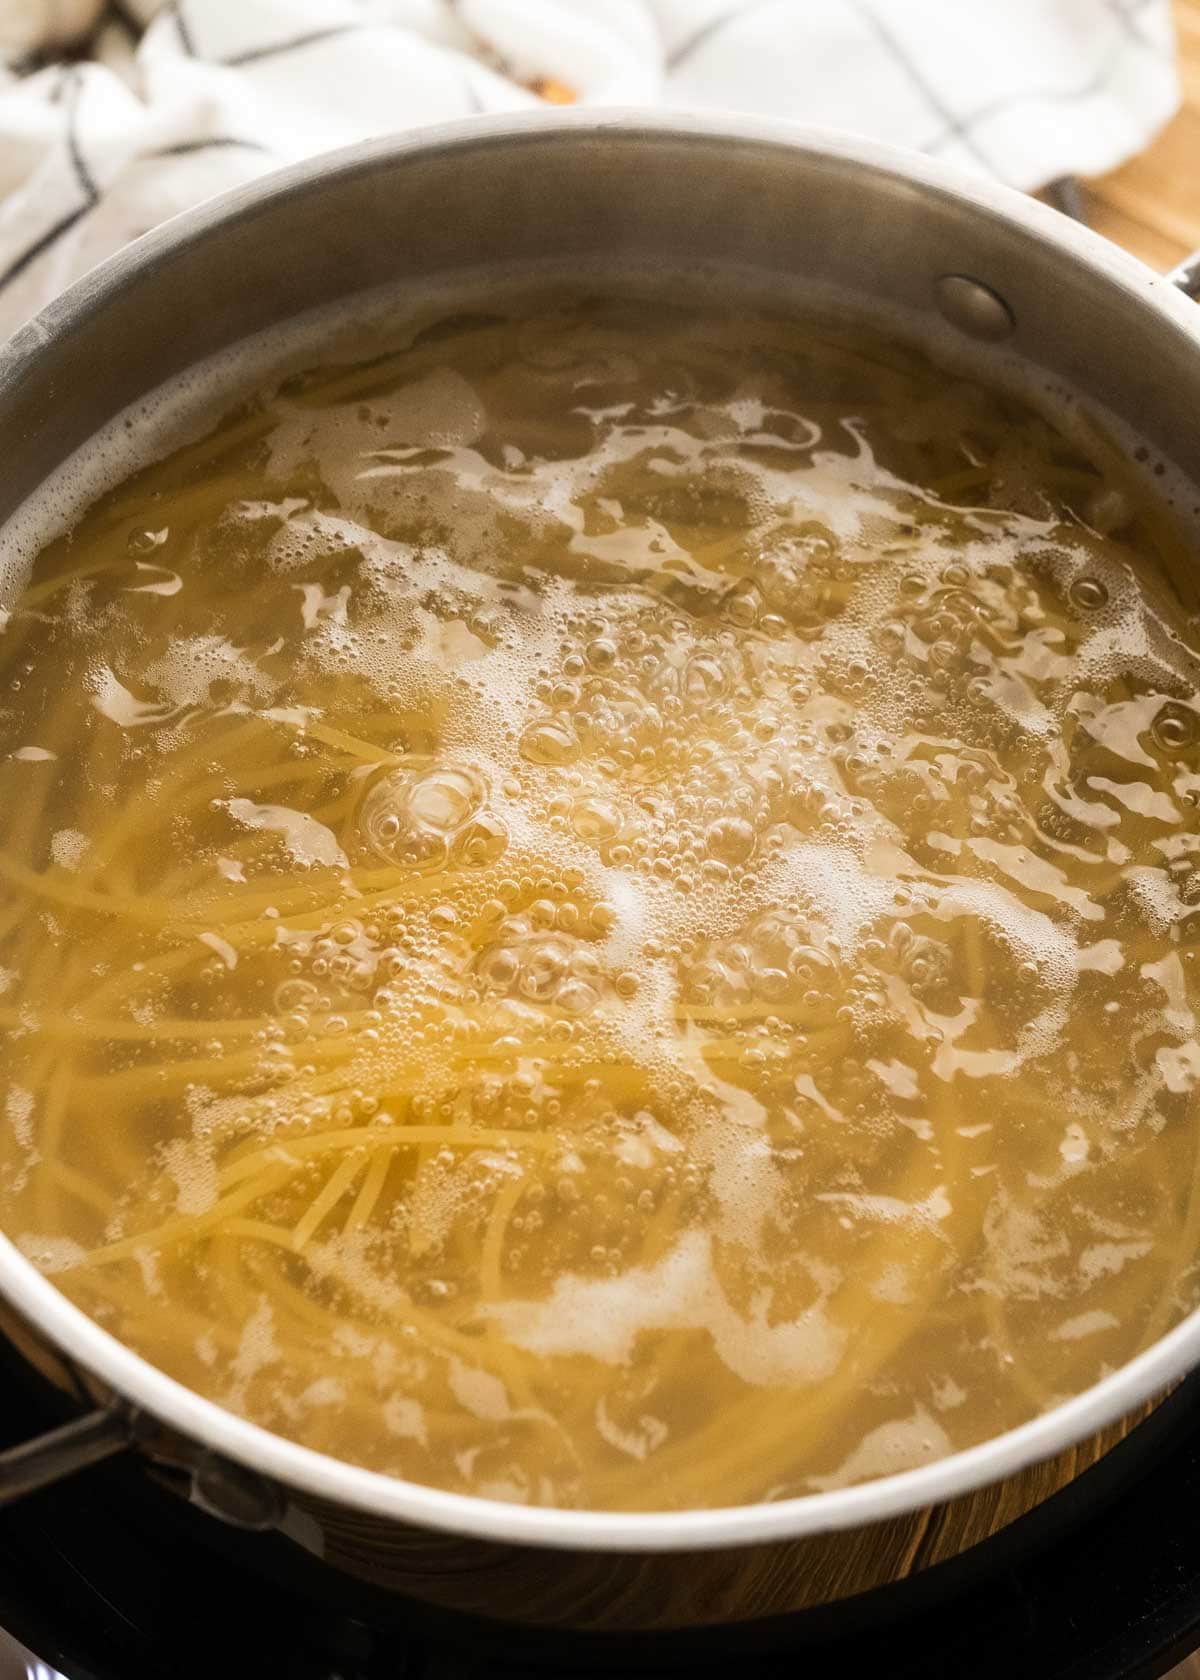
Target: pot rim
{"type": "Point", "coordinates": [318, 1474]}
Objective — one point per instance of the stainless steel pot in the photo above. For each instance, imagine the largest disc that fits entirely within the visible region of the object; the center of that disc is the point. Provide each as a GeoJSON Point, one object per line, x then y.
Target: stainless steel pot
{"type": "Point", "coordinates": [973, 261]}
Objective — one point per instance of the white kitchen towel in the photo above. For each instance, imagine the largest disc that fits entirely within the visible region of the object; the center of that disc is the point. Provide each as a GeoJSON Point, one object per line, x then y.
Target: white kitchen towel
{"type": "Point", "coordinates": [161, 106]}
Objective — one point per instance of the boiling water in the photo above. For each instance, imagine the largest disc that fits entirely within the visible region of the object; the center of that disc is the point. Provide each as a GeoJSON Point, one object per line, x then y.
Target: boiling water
{"type": "Point", "coordinates": [601, 910]}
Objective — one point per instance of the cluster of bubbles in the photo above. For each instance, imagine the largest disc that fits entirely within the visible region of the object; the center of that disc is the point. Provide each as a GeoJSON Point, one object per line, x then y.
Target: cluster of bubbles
{"type": "Point", "coordinates": [674, 753]}
{"type": "Point", "coordinates": [926, 964]}
{"type": "Point", "coordinates": [429, 814]}
{"type": "Point", "coordinates": [776, 959]}
{"type": "Point", "coordinates": [795, 587]}
{"type": "Point", "coordinates": [537, 962]}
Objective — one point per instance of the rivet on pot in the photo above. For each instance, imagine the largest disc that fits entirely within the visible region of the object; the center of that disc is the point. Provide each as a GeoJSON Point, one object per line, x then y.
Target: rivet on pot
{"type": "Point", "coordinates": [973, 307]}
{"type": "Point", "coordinates": [236, 1495]}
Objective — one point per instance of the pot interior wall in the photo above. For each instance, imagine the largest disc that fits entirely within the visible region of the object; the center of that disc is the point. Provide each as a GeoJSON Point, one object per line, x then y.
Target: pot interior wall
{"type": "Point", "coordinates": [585, 197]}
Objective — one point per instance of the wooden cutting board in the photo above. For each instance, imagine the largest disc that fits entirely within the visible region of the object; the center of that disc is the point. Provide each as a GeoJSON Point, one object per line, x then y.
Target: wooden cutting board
{"type": "Point", "coordinates": [1152, 205]}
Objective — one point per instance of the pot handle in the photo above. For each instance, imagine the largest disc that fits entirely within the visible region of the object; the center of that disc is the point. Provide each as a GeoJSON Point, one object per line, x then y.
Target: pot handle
{"type": "Point", "coordinates": [236, 1495]}
{"type": "Point", "coordinates": [1065, 195]}
{"type": "Point", "coordinates": [1186, 275]}
{"type": "Point", "coordinates": [59, 1453]}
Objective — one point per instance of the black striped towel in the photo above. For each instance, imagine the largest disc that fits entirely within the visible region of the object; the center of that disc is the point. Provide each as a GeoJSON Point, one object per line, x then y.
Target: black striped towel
{"type": "Point", "coordinates": [158, 106]}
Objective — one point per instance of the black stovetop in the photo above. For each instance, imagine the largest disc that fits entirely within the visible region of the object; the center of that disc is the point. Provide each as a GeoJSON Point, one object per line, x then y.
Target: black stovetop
{"type": "Point", "coordinates": [111, 1578]}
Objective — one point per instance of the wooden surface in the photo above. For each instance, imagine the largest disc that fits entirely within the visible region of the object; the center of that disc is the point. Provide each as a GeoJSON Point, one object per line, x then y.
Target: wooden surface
{"type": "Point", "coordinates": [1152, 205]}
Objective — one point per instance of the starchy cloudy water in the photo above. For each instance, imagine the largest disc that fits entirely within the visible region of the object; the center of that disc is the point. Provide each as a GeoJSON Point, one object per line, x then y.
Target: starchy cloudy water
{"type": "Point", "coordinates": [600, 909]}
